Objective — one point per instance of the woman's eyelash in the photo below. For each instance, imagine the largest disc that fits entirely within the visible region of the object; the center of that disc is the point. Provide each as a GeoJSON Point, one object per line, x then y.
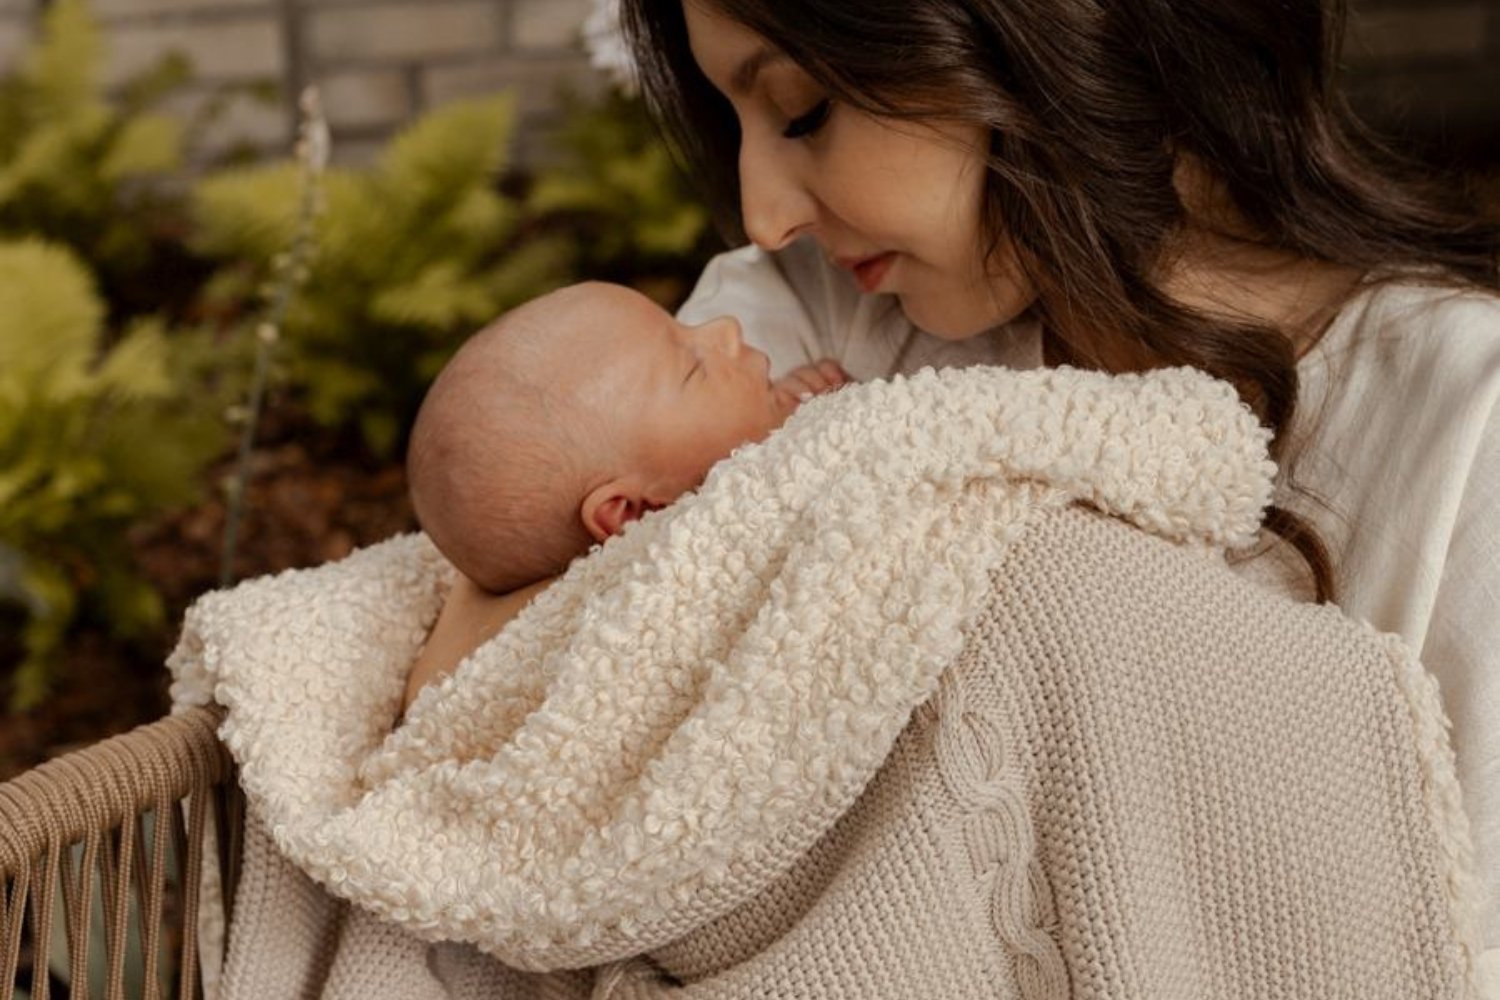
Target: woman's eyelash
{"type": "Point", "coordinates": [805, 125]}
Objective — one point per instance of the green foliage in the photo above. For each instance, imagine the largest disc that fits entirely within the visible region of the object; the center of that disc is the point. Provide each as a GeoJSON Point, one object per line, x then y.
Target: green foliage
{"type": "Point", "coordinates": [110, 408]}
{"type": "Point", "coordinates": [411, 256]}
{"type": "Point", "coordinates": [618, 189]}
{"type": "Point", "coordinates": [90, 443]}
{"type": "Point", "coordinates": [93, 174]}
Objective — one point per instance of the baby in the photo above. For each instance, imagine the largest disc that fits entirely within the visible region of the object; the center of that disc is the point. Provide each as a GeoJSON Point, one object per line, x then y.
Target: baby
{"type": "Point", "coordinates": [560, 423]}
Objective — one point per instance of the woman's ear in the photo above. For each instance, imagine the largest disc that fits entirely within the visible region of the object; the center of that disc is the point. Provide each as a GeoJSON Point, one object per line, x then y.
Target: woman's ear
{"type": "Point", "coordinates": [608, 508]}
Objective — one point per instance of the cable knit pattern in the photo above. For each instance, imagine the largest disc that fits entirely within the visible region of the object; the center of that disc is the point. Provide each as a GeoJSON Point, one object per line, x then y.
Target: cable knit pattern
{"type": "Point", "coordinates": [695, 757]}
{"type": "Point", "coordinates": [999, 836]}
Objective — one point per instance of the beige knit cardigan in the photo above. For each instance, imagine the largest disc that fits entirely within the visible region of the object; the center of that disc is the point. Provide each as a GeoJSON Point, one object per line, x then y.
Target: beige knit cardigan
{"type": "Point", "coordinates": [943, 691]}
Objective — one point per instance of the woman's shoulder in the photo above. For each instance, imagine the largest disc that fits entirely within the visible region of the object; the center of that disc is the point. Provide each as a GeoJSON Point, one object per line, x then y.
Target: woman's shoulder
{"type": "Point", "coordinates": [1421, 315]}
{"type": "Point", "coordinates": [1416, 334]}
{"type": "Point", "coordinates": [1406, 381]}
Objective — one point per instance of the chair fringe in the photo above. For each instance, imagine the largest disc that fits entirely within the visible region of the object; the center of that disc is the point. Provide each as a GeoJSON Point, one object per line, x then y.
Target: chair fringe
{"type": "Point", "coordinates": [128, 815]}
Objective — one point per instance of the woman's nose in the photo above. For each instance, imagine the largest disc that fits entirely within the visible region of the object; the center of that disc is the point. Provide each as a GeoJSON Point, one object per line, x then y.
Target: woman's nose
{"type": "Point", "coordinates": [775, 206]}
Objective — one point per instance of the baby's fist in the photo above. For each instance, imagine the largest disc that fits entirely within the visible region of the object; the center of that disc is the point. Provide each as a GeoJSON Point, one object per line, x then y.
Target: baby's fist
{"type": "Point", "coordinates": [803, 383]}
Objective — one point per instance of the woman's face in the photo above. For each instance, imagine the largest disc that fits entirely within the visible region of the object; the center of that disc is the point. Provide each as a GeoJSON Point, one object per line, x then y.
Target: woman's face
{"type": "Point", "coordinates": [895, 203]}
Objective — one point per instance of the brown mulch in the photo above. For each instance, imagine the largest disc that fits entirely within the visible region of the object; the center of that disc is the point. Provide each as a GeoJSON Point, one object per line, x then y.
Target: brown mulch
{"type": "Point", "coordinates": [306, 504]}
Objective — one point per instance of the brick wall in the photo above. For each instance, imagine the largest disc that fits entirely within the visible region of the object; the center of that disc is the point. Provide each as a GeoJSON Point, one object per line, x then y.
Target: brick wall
{"type": "Point", "coordinates": [1428, 67]}
{"type": "Point", "coordinates": [378, 63]}
{"type": "Point", "coordinates": [15, 18]}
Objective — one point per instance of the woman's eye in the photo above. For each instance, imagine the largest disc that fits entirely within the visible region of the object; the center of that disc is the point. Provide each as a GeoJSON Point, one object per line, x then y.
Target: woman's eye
{"type": "Point", "coordinates": [805, 125]}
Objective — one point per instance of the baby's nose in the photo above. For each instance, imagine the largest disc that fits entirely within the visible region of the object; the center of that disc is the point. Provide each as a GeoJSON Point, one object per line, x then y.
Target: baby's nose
{"type": "Point", "coordinates": [724, 333]}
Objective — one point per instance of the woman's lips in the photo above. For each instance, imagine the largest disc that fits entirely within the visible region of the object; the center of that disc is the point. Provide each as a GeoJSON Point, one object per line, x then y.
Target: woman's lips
{"type": "Point", "coordinates": [869, 272]}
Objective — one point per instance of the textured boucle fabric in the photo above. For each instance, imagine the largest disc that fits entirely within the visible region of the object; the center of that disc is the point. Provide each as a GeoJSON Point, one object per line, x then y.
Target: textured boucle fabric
{"type": "Point", "coordinates": [694, 760]}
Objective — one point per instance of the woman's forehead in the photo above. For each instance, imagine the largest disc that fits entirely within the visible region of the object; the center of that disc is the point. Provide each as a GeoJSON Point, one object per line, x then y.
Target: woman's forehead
{"type": "Point", "coordinates": [730, 54]}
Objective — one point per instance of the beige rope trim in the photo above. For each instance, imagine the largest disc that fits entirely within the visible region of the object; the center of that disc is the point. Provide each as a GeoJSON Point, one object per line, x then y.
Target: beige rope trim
{"type": "Point", "coordinates": [192, 879]}
{"type": "Point", "coordinates": [98, 787]}
{"type": "Point", "coordinates": [97, 798]}
{"type": "Point", "coordinates": [78, 912]}
{"type": "Point", "coordinates": [41, 921]}
{"type": "Point", "coordinates": [161, 835]}
{"type": "Point", "coordinates": [10, 942]}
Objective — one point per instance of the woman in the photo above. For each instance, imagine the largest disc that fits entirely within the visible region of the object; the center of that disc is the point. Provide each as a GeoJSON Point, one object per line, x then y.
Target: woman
{"type": "Point", "coordinates": [1129, 185]}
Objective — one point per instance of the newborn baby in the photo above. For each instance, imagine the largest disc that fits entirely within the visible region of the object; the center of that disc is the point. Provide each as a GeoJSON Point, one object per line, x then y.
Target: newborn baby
{"type": "Point", "coordinates": [560, 423]}
{"type": "Point", "coordinates": [576, 413]}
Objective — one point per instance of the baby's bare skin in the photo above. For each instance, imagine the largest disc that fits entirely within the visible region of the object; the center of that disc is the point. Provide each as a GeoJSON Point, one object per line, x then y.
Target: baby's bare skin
{"type": "Point", "coordinates": [471, 615]}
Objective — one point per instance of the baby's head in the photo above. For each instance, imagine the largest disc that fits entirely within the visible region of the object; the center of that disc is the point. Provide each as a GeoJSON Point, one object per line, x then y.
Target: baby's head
{"type": "Point", "coordinates": [571, 416]}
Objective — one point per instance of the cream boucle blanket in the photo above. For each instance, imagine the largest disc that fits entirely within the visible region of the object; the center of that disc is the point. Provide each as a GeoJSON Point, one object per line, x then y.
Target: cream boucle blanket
{"type": "Point", "coordinates": [640, 770]}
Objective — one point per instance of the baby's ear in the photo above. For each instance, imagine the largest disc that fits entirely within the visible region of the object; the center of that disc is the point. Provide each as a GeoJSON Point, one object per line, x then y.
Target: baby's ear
{"type": "Point", "coordinates": [608, 508]}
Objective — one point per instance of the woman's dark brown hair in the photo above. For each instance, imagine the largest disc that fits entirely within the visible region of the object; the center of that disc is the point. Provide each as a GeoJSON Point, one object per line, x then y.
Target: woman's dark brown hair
{"type": "Point", "coordinates": [1091, 106]}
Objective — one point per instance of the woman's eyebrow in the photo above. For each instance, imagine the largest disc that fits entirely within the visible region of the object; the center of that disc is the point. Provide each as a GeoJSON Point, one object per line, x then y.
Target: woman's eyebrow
{"type": "Point", "coordinates": [744, 77]}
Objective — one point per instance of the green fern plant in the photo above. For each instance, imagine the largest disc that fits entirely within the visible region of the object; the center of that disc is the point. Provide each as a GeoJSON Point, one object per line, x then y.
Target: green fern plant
{"type": "Point", "coordinates": [91, 441]}
{"type": "Point", "coordinates": [411, 256]}
{"type": "Point", "coordinates": [617, 188]}
{"type": "Point", "coordinates": [98, 173]}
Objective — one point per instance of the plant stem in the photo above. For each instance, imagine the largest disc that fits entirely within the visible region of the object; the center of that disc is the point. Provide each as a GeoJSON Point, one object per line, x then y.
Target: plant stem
{"type": "Point", "coordinates": [289, 272]}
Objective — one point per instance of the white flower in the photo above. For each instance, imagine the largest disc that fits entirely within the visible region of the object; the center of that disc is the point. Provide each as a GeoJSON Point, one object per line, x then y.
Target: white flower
{"type": "Point", "coordinates": [605, 41]}
{"type": "Point", "coordinates": [315, 143]}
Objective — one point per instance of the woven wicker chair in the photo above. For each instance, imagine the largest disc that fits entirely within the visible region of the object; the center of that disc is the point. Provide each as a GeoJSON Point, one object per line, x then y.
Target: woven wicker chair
{"type": "Point", "coordinates": [87, 822]}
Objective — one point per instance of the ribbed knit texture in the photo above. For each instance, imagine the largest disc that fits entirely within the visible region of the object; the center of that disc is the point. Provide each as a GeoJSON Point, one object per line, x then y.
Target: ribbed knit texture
{"type": "Point", "coordinates": [1137, 776]}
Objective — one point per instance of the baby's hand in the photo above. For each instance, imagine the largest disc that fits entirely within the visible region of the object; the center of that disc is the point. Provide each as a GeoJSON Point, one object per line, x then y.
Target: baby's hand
{"type": "Point", "coordinates": [801, 384]}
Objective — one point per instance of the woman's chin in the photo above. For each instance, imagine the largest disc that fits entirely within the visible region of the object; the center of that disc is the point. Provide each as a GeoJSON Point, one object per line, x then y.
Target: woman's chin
{"type": "Point", "coordinates": [961, 311]}
{"type": "Point", "coordinates": [943, 320]}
